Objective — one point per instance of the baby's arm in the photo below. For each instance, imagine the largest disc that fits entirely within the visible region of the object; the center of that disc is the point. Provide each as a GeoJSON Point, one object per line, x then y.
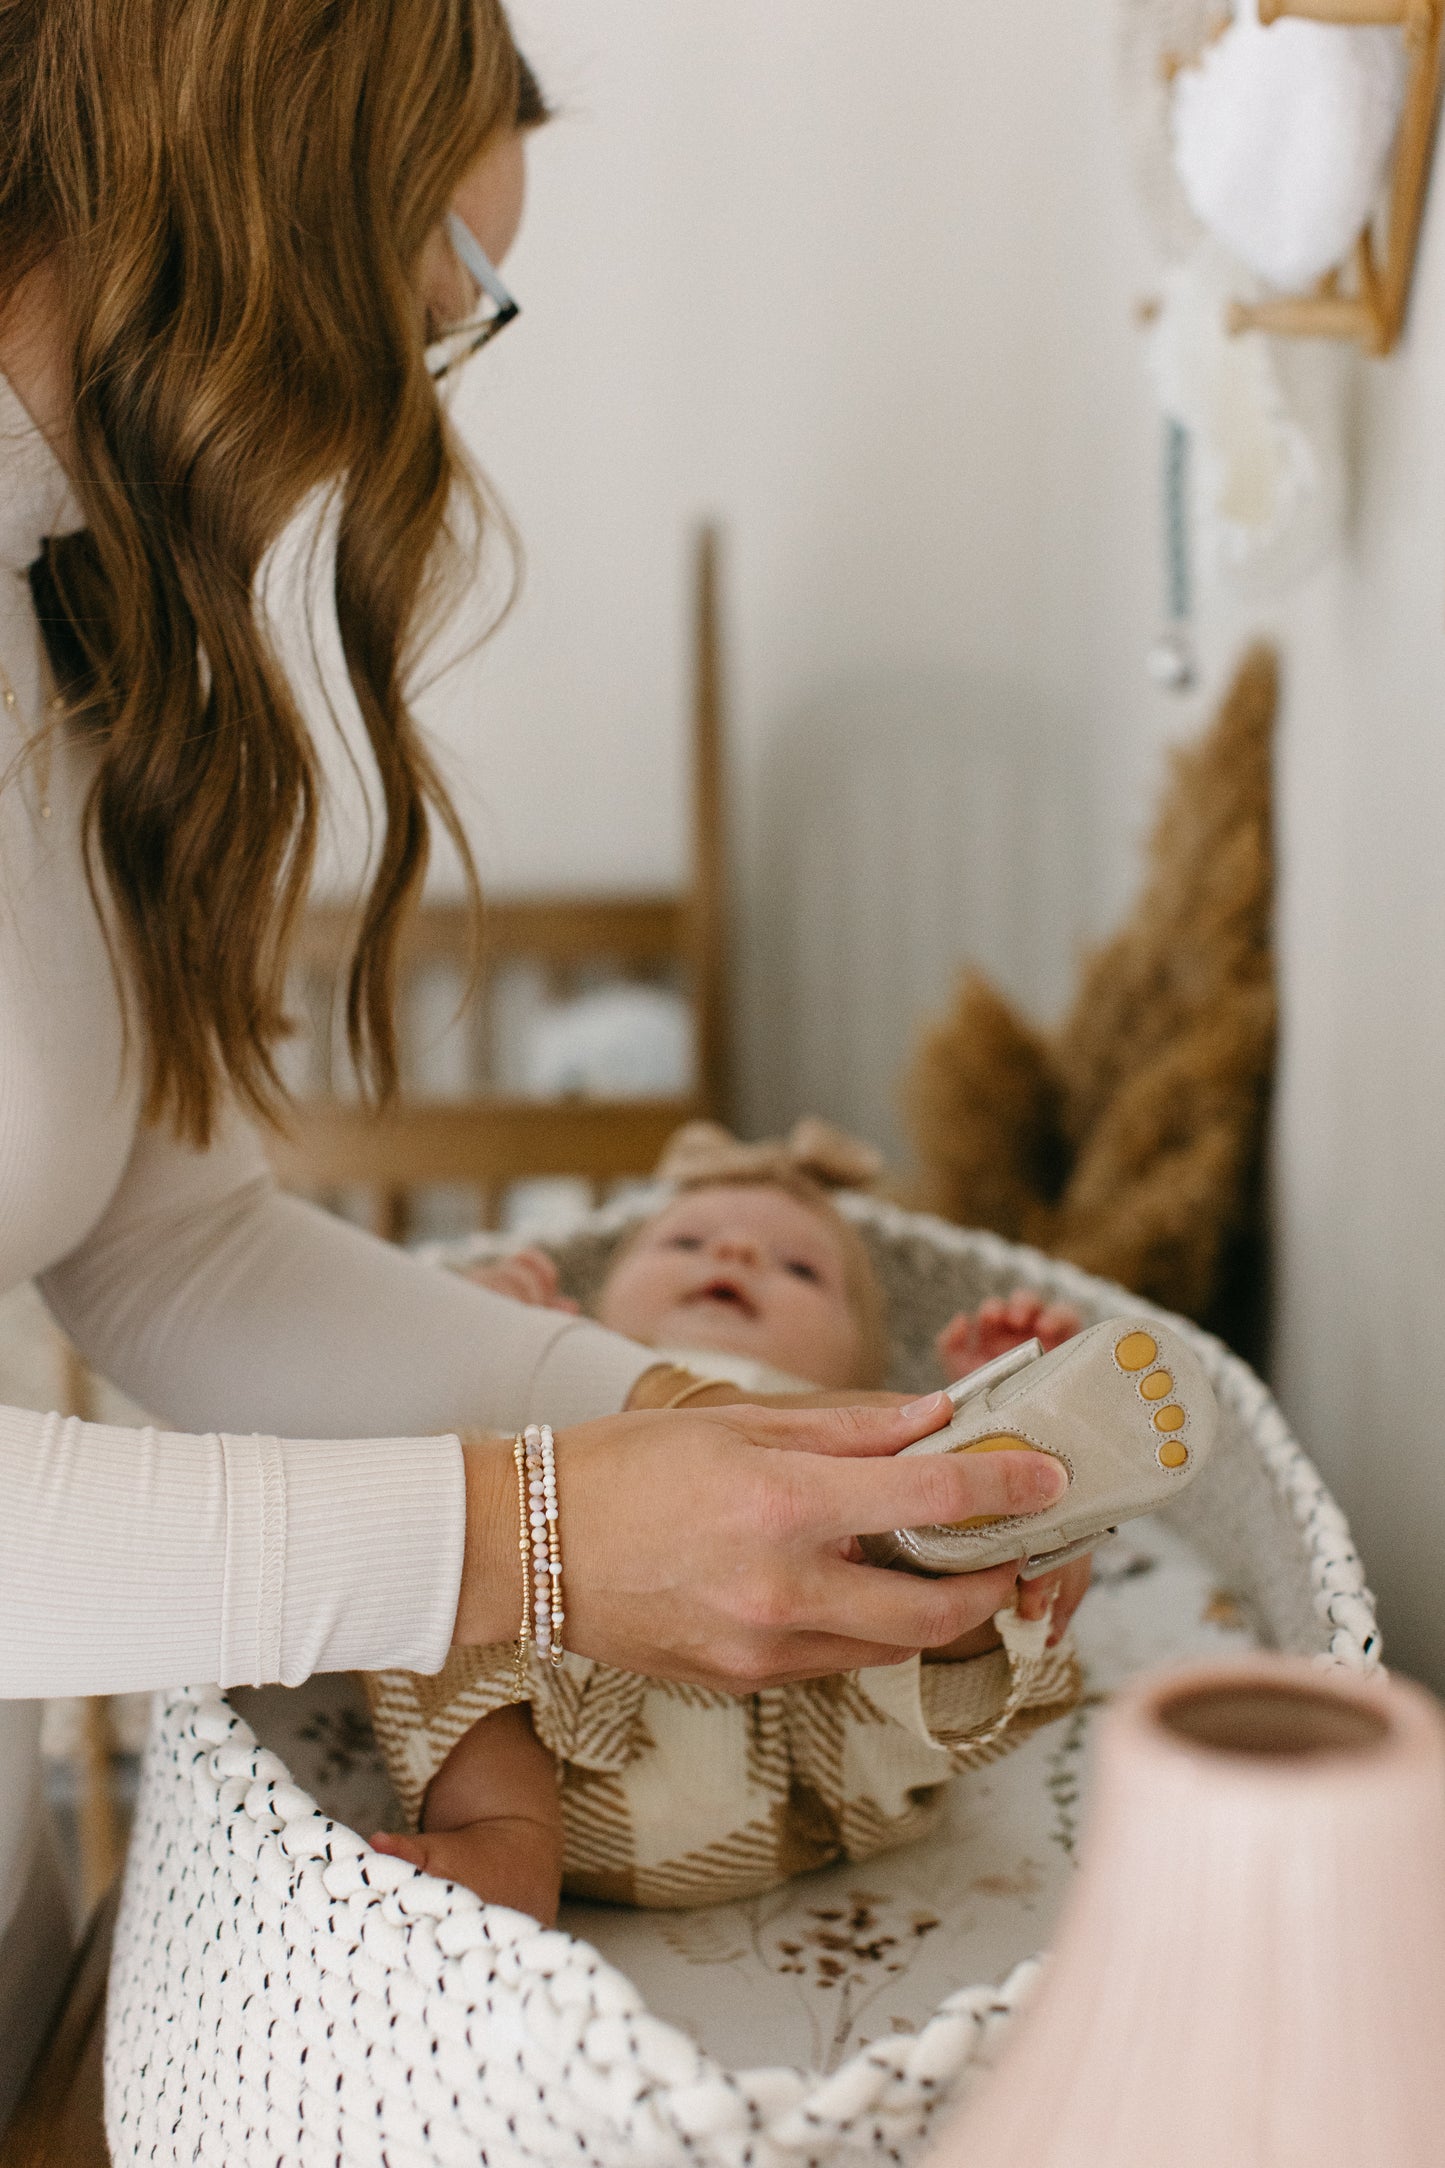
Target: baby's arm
{"type": "Point", "coordinates": [973, 1338]}
{"type": "Point", "coordinates": [492, 1819]}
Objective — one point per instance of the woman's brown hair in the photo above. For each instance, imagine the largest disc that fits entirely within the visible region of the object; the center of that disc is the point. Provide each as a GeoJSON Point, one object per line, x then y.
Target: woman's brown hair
{"type": "Point", "coordinates": [237, 194]}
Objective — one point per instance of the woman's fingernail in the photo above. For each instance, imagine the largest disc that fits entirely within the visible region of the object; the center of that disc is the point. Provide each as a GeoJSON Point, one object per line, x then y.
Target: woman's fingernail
{"type": "Point", "coordinates": [1056, 1476]}
{"type": "Point", "coordinates": [930, 1404]}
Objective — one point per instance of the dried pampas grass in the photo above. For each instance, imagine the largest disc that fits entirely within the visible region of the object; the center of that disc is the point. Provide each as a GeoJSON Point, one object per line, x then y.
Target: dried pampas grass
{"type": "Point", "coordinates": [1131, 1140]}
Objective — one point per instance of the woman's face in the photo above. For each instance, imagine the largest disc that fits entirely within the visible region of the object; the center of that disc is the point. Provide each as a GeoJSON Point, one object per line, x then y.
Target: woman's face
{"type": "Point", "coordinates": [489, 201]}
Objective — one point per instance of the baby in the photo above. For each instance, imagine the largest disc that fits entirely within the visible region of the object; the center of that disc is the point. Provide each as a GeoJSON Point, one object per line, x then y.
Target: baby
{"type": "Point", "coordinates": [625, 1788]}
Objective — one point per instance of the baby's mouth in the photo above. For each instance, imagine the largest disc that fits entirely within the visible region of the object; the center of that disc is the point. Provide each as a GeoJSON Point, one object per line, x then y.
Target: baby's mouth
{"type": "Point", "coordinates": [726, 1294]}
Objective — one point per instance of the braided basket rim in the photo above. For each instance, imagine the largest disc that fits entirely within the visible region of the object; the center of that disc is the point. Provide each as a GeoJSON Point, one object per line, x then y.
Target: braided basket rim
{"type": "Point", "coordinates": [599, 2072]}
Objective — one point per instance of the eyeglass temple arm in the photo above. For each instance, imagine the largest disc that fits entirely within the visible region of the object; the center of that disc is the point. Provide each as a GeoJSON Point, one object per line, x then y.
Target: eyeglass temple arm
{"type": "Point", "coordinates": [477, 261]}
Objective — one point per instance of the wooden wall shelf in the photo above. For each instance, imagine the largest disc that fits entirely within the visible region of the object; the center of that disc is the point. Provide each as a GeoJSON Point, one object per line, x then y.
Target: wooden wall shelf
{"type": "Point", "coordinates": [1372, 308]}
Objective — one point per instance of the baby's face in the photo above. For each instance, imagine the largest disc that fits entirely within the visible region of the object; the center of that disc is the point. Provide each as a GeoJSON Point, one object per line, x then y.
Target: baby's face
{"type": "Point", "coordinates": [748, 1271]}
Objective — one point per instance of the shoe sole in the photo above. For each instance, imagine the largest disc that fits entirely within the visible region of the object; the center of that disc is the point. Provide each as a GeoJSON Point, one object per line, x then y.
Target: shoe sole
{"type": "Point", "coordinates": [1125, 1407]}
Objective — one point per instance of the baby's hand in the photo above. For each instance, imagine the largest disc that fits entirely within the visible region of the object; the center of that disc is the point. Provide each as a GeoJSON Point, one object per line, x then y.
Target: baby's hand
{"type": "Point", "coordinates": [527, 1276]}
{"type": "Point", "coordinates": [1003, 1322]}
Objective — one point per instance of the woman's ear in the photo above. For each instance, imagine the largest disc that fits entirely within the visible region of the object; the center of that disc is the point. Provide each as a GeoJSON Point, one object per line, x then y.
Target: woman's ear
{"type": "Point", "coordinates": [493, 194]}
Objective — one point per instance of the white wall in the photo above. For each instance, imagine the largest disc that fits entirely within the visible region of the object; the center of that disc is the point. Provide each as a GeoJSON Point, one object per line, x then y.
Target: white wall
{"type": "Point", "coordinates": [1360, 1164]}
{"type": "Point", "coordinates": [853, 280]}
{"type": "Point", "coordinates": [860, 280]}
{"type": "Point", "coordinates": [1359, 1169]}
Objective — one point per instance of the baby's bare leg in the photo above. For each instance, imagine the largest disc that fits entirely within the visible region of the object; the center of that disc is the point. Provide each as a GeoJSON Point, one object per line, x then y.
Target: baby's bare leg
{"type": "Point", "coordinates": [492, 1819]}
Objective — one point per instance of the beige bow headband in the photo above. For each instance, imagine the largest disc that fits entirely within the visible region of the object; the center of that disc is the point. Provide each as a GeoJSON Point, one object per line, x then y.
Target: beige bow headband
{"type": "Point", "coordinates": [706, 1152]}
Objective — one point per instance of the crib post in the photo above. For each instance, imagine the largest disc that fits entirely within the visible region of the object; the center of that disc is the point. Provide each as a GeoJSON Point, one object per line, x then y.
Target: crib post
{"type": "Point", "coordinates": [98, 1823]}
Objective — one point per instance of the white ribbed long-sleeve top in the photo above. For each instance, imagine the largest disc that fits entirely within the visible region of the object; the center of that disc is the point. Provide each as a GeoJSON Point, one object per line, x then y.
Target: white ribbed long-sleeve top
{"type": "Point", "coordinates": [306, 1512]}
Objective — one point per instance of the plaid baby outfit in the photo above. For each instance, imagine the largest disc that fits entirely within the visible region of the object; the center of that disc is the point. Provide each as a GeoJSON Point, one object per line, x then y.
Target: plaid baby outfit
{"type": "Point", "coordinates": [677, 1795]}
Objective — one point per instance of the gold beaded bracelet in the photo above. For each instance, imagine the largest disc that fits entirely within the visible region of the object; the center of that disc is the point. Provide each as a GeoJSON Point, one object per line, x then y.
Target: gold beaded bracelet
{"type": "Point", "coordinates": [669, 1385]}
{"type": "Point", "coordinates": [524, 1546]}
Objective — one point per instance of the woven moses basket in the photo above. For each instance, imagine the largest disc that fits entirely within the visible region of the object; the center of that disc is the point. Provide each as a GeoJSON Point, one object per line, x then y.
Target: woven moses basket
{"type": "Point", "coordinates": [282, 1995]}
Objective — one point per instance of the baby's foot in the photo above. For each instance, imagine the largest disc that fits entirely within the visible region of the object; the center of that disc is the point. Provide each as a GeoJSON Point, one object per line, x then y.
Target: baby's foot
{"type": "Point", "coordinates": [1003, 1322]}
{"type": "Point", "coordinates": [506, 1862]}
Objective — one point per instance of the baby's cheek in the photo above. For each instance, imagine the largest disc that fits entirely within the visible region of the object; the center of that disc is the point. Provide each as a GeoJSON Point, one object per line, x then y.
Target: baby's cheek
{"type": "Point", "coordinates": [637, 1299]}
{"type": "Point", "coordinates": [622, 1305]}
{"type": "Point", "coordinates": [831, 1351]}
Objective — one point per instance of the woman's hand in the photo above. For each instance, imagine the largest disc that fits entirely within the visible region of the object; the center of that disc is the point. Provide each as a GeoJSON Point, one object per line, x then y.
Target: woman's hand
{"type": "Point", "coordinates": [709, 1545]}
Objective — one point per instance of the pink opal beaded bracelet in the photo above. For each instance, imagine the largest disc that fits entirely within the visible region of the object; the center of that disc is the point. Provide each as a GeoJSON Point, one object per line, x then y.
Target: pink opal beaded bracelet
{"type": "Point", "coordinates": [534, 1455]}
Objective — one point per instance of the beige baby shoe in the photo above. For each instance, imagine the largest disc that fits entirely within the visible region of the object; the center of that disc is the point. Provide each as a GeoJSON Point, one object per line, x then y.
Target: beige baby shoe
{"type": "Point", "coordinates": [1125, 1406]}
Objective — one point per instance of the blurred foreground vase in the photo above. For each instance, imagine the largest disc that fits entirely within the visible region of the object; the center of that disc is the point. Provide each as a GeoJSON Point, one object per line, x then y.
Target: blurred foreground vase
{"type": "Point", "coordinates": [1251, 1972]}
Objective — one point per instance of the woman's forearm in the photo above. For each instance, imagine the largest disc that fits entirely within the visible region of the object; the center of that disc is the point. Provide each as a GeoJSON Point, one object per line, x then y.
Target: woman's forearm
{"type": "Point", "coordinates": [136, 1559]}
{"type": "Point", "coordinates": [212, 1299]}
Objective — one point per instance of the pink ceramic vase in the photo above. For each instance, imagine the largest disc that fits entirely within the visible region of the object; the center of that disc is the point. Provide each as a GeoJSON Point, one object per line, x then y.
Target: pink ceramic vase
{"type": "Point", "coordinates": [1251, 1970]}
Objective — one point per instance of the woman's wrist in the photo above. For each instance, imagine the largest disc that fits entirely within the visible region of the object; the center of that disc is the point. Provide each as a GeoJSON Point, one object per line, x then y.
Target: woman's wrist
{"type": "Point", "coordinates": [669, 1385]}
{"type": "Point", "coordinates": [490, 1602]}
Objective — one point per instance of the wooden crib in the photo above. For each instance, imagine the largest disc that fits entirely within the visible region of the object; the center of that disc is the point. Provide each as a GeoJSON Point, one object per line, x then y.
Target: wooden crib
{"type": "Point", "coordinates": [489, 1141]}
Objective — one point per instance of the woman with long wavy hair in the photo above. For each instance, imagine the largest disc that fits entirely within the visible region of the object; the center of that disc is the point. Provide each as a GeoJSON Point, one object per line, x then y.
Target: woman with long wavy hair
{"type": "Point", "coordinates": [228, 234]}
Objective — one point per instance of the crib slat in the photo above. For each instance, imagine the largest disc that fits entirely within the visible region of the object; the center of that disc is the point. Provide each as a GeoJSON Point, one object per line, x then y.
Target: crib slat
{"type": "Point", "coordinates": [510, 1140]}
{"type": "Point", "coordinates": [101, 1845]}
{"type": "Point", "coordinates": [561, 929]}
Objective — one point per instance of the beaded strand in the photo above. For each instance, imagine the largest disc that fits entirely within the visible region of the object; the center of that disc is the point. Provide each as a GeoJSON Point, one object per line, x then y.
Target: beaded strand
{"type": "Point", "coordinates": [546, 1540]}
{"type": "Point", "coordinates": [524, 1633]}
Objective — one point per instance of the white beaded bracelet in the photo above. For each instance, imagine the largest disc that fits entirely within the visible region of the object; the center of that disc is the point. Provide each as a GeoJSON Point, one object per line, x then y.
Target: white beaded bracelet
{"type": "Point", "coordinates": [544, 1530]}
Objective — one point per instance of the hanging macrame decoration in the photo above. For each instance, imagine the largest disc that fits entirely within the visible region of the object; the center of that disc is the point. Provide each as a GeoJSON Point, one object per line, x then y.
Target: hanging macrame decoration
{"type": "Point", "coordinates": [1263, 151]}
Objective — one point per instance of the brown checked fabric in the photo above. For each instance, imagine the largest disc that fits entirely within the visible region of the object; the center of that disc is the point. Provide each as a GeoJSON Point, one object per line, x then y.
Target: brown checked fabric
{"type": "Point", "coordinates": [676, 1796]}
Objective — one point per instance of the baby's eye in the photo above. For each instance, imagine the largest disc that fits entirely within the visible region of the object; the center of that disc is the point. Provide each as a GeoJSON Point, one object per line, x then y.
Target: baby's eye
{"type": "Point", "coordinates": [802, 1270]}
{"type": "Point", "coordinates": [684, 1242]}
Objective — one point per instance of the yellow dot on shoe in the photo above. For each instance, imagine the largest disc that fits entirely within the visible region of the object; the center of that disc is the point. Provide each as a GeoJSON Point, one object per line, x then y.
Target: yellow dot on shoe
{"type": "Point", "coordinates": [1174, 1454]}
{"type": "Point", "coordinates": [1157, 1386]}
{"type": "Point", "coordinates": [1136, 1351]}
{"type": "Point", "coordinates": [1170, 1418]}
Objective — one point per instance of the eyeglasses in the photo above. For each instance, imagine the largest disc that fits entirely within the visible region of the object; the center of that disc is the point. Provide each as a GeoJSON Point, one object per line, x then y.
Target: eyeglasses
{"type": "Point", "coordinates": [451, 348]}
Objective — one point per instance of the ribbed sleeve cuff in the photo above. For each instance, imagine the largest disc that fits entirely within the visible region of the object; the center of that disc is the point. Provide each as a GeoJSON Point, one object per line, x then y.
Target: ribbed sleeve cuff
{"type": "Point", "coordinates": [584, 1372]}
{"type": "Point", "coordinates": [342, 1555]}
